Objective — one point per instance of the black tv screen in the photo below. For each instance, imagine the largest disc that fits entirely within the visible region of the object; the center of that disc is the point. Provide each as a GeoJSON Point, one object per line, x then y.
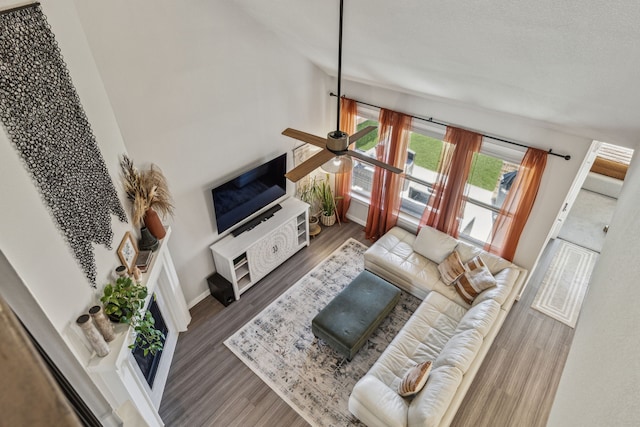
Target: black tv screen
{"type": "Point", "coordinates": [246, 194]}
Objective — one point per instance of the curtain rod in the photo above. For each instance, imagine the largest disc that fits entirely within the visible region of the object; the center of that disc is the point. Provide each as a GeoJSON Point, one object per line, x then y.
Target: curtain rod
{"type": "Point", "coordinates": [16, 8]}
{"type": "Point", "coordinates": [431, 120]}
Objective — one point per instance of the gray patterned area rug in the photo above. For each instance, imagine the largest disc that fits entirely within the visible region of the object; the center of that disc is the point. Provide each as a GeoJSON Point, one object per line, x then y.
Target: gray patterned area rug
{"type": "Point", "coordinates": [564, 285]}
{"type": "Point", "coordinates": [279, 347]}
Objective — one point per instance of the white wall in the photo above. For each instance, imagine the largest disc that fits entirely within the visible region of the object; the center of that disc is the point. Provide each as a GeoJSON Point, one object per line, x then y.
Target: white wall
{"type": "Point", "coordinates": [199, 89]}
{"type": "Point", "coordinates": [600, 383]}
{"type": "Point", "coordinates": [28, 235]}
{"type": "Point", "coordinates": [52, 286]}
{"type": "Point", "coordinates": [559, 173]}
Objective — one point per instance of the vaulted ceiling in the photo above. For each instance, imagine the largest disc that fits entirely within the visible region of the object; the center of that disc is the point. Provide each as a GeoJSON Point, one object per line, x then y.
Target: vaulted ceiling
{"type": "Point", "coordinates": [572, 64]}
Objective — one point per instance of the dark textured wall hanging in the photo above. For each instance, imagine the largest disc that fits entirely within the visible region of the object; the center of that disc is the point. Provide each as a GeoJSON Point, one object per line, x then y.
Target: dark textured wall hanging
{"type": "Point", "coordinates": [46, 123]}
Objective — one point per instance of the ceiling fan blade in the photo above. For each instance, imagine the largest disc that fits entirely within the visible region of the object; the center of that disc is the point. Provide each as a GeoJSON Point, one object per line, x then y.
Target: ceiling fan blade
{"type": "Point", "coordinates": [305, 137]}
{"type": "Point", "coordinates": [362, 132]}
{"type": "Point", "coordinates": [375, 162]}
{"type": "Point", "coordinates": [309, 165]}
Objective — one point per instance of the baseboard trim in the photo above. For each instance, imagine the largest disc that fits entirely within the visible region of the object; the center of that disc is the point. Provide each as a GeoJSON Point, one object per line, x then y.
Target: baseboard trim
{"type": "Point", "coordinates": [197, 299]}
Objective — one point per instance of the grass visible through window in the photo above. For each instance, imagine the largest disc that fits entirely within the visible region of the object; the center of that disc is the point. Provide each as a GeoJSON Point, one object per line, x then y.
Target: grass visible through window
{"type": "Point", "coordinates": [369, 140]}
{"type": "Point", "coordinates": [485, 170]}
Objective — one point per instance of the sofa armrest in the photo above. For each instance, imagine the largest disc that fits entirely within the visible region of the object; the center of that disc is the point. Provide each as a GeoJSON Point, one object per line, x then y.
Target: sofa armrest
{"type": "Point", "coordinates": [375, 404]}
{"type": "Point", "coordinates": [430, 405]}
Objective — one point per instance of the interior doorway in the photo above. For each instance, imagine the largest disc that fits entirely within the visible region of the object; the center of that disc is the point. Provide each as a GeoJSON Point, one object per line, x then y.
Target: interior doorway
{"type": "Point", "coordinates": [602, 160]}
{"type": "Point", "coordinates": [591, 202]}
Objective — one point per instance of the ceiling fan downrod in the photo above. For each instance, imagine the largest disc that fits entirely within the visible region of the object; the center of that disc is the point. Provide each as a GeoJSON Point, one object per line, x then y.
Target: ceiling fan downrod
{"type": "Point", "coordinates": [338, 141]}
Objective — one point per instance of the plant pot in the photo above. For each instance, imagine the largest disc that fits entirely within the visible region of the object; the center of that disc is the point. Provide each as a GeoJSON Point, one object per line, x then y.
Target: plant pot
{"type": "Point", "coordinates": [148, 241]}
{"type": "Point", "coordinates": [314, 226]}
{"type": "Point", "coordinates": [154, 225]}
{"type": "Point", "coordinates": [116, 319]}
{"type": "Point", "coordinates": [328, 220]}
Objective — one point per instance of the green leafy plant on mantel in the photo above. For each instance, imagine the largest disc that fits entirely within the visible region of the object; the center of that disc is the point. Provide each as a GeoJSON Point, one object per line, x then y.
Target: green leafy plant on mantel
{"type": "Point", "coordinates": [124, 302]}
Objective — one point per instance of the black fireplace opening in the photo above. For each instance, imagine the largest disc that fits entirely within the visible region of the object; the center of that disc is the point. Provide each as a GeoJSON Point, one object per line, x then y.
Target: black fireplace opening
{"type": "Point", "coordinates": [149, 364]}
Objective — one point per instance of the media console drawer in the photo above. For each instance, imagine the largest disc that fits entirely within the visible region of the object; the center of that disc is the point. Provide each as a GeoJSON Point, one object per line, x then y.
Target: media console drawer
{"type": "Point", "coordinates": [245, 259]}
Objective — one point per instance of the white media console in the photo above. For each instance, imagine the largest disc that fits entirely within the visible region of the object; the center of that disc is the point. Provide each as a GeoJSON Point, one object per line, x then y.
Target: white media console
{"type": "Point", "coordinates": [245, 259]}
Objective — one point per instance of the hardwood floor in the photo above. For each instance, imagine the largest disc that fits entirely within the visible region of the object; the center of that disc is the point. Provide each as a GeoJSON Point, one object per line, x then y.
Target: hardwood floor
{"type": "Point", "coordinates": [209, 386]}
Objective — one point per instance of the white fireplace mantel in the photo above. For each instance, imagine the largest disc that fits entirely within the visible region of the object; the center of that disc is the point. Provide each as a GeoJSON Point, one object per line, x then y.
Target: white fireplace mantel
{"type": "Point", "coordinates": [118, 375]}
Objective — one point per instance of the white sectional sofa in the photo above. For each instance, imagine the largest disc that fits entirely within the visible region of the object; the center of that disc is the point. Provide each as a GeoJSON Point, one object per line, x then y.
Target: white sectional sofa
{"type": "Point", "coordinates": [445, 329]}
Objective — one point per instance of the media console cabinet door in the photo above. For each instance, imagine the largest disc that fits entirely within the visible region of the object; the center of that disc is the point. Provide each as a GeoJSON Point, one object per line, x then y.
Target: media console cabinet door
{"type": "Point", "coordinates": [272, 250]}
{"type": "Point", "coordinates": [245, 259]}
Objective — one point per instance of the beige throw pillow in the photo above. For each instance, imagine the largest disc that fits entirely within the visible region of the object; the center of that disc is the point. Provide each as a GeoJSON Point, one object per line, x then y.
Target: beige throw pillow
{"type": "Point", "coordinates": [475, 263]}
{"type": "Point", "coordinates": [451, 268]}
{"type": "Point", "coordinates": [434, 244]}
{"type": "Point", "coordinates": [472, 282]}
{"type": "Point", "coordinates": [415, 379]}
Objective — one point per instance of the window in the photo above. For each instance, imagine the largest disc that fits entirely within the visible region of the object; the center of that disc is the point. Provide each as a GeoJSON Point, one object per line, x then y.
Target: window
{"type": "Point", "coordinates": [362, 174]}
{"type": "Point", "coordinates": [489, 183]}
{"type": "Point", "coordinates": [492, 173]}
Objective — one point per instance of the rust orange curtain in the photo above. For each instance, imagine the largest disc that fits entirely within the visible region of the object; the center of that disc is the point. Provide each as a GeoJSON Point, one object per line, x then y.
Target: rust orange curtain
{"type": "Point", "coordinates": [446, 203]}
{"type": "Point", "coordinates": [515, 211]}
{"type": "Point", "coordinates": [392, 148]}
{"type": "Point", "coordinates": [348, 118]}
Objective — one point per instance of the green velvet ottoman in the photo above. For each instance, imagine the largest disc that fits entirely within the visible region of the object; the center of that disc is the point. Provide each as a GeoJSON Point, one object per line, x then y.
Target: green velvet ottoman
{"type": "Point", "coordinates": [350, 318]}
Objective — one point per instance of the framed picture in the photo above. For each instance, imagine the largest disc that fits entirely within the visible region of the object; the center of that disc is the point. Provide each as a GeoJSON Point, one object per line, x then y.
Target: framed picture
{"type": "Point", "coordinates": [128, 252]}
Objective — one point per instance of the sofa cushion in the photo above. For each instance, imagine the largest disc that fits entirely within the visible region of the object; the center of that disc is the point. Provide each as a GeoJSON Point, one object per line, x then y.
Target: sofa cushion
{"type": "Point", "coordinates": [434, 244]}
{"type": "Point", "coordinates": [472, 282]}
{"type": "Point", "coordinates": [481, 317]}
{"type": "Point", "coordinates": [415, 378]}
{"type": "Point", "coordinates": [505, 281]}
{"type": "Point", "coordinates": [451, 268]}
{"type": "Point", "coordinates": [460, 350]}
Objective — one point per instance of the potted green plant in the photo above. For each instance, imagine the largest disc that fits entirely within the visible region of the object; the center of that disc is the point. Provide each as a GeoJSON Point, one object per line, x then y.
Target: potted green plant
{"type": "Point", "coordinates": [327, 203]}
{"type": "Point", "coordinates": [122, 299]}
{"type": "Point", "coordinates": [308, 192]}
{"type": "Point", "coordinates": [124, 303]}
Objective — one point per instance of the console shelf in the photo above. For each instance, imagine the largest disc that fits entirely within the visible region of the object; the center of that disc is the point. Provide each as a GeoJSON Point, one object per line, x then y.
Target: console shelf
{"type": "Point", "coordinates": [246, 258]}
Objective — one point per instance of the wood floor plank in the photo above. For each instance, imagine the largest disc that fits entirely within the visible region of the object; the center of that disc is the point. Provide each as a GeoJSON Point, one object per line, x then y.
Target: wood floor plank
{"type": "Point", "coordinates": [209, 386]}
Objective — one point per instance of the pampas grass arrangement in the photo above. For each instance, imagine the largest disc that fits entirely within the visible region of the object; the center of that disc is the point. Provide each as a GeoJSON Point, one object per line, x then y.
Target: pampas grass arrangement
{"type": "Point", "coordinates": [147, 189]}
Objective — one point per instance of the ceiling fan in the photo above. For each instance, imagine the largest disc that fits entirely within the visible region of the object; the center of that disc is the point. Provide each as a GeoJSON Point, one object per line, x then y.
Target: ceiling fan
{"type": "Point", "coordinates": [335, 154]}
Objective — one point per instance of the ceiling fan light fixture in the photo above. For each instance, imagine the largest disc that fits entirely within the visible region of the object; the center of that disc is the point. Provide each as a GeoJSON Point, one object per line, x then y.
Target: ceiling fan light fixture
{"type": "Point", "coordinates": [337, 141]}
{"type": "Point", "coordinates": [339, 164]}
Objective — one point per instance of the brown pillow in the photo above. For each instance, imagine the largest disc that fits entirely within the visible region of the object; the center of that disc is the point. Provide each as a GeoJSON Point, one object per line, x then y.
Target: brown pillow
{"type": "Point", "coordinates": [472, 282]}
{"type": "Point", "coordinates": [475, 263]}
{"type": "Point", "coordinates": [415, 379]}
{"type": "Point", "coordinates": [451, 268]}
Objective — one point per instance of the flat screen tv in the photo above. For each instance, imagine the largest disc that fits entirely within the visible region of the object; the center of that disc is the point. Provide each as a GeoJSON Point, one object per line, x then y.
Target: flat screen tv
{"type": "Point", "coordinates": [246, 194]}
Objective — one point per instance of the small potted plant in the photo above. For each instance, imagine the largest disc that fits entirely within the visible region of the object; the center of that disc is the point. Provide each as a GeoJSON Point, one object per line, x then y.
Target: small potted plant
{"type": "Point", "coordinates": [308, 192]}
{"type": "Point", "coordinates": [327, 203]}
{"type": "Point", "coordinates": [122, 299]}
{"type": "Point", "coordinates": [124, 303]}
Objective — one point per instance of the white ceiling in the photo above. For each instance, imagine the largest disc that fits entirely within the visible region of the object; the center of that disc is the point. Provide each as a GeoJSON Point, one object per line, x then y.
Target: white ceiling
{"type": "Point", "coordinates": [573, 64]}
